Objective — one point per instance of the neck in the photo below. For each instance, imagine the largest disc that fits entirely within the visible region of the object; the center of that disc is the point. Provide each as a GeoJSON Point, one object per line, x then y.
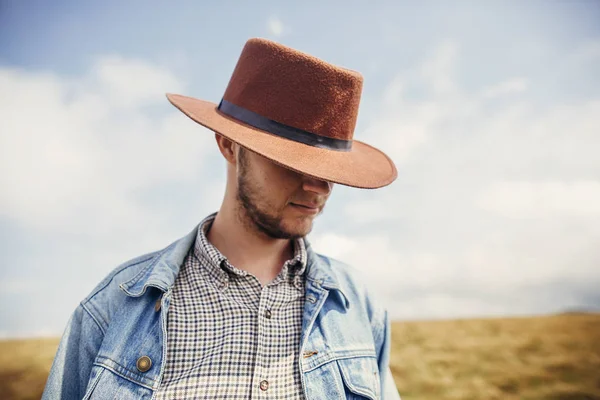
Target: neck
{"type": "Point", "coordinates": [246, 247]}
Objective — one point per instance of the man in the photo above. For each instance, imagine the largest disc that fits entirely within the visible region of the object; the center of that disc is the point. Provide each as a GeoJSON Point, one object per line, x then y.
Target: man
{"type": "Point", "coordinates": [242, 307]}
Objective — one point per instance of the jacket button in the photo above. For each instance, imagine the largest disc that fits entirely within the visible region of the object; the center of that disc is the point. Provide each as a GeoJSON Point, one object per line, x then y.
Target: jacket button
{"type": "Point", "coordinates": [143, 363]}
{"type": "Point", "coordinates": [264, 385]}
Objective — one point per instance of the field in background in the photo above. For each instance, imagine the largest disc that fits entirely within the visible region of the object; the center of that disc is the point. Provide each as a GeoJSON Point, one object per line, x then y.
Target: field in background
{"type": "Point", "coordinates": [551, 358]}
{"type": "Point", "coordinates": [24, 366]}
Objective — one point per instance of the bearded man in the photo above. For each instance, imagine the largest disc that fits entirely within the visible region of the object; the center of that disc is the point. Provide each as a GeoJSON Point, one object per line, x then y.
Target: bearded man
{"type": "Point", "coordinates": [242, 307]}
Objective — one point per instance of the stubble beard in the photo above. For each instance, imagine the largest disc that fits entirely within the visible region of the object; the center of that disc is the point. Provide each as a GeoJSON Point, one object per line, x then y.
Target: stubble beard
{"type": "Point", "coordinates": [249, 212]}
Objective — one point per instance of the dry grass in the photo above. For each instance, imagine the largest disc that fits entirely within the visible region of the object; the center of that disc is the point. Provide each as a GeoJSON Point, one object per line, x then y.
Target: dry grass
{"type": "Point", "coordinates": [24, 366]}
{"type": "Point", "coordinates": [551, 358]}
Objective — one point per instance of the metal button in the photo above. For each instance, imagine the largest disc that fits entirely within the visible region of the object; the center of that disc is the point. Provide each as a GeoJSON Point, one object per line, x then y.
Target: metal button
{"type": "Point", "coordinates": [143, 363]}
{"type": "Point", "coordinates": [311, 299]}
{"type": "Point", "coordinates": [268, 314]}
{"type": "Point", "coordinates": [157, 304]}
{"type": "Point", "coordinates": [264, 385]}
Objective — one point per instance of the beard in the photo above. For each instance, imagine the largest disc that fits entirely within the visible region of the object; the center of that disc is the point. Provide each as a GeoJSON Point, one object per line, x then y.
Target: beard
{"type": "Point", "coordinates": [251, 213]}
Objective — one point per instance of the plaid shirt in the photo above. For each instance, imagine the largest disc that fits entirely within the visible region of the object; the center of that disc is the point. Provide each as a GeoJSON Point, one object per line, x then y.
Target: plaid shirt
{"type": "Point", "coordinates": [227, 335]}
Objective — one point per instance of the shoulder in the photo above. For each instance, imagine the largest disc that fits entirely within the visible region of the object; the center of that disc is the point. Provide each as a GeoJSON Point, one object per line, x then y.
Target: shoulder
{"type": "Point", "coordinates": [123, 272]}
{"type": "Point", "coordinates": [347, 275]}
{"type": "Point", "coordinates": [108, 296]}
{"type": "Point", "coordinates": [362, 299]}
{"type": "Point", "coordinates": [131, 279]}
{"type": "Point", "coordinates": [354, 284]}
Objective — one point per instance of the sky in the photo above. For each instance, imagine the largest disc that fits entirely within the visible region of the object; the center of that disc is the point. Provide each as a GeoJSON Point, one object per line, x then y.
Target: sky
{"type": "Point", "coordinates": [490, 110]}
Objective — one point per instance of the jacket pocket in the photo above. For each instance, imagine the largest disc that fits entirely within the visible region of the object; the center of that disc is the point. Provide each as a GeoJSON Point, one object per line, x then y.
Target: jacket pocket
{"type": "Point", "coordinates": [360, 376]}
{"type": "Point", "coordinates": [107, 384]}
{"type": "Point", "coordinates": [94, 379]}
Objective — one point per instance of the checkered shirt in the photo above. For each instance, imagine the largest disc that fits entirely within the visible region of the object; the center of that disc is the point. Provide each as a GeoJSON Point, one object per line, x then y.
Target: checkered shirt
{"type": "Point", "coordinates": [228, 337]}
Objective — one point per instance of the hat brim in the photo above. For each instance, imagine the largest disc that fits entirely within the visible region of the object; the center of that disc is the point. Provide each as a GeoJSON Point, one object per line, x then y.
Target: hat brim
{"type": "Point", "coordinates": [363, 167]}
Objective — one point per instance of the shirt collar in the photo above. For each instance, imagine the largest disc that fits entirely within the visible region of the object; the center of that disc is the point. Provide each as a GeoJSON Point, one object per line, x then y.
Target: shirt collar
{"type": "Point", "coordinates": [219, 267]}
{"type": "Point", "coordinates": [164, 265]}
{"type": "Point", "coordinates": [209, 256]}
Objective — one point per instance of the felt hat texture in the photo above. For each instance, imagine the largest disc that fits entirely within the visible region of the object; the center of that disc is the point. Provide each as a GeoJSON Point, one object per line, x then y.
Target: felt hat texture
{"type": "Point", "coordinates": [296, 110]}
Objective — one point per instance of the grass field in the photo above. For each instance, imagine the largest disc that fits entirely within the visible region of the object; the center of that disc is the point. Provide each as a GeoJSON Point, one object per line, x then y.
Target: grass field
{"type": "Point", "coordinates": [551, 358]}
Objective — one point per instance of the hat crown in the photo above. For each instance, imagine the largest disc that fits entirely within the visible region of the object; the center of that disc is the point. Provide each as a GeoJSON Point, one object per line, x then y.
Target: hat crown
{"type": "Point", "coordinates": [296, 89]}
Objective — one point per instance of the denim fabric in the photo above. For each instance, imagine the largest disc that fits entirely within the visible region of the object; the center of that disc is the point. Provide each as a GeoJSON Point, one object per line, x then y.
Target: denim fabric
{"type": "Point", "coordinates": [344, 347]}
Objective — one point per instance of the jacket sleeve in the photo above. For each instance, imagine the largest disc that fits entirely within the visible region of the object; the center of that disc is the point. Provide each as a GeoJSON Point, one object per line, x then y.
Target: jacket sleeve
{"type": "Point", "coordinates": [388, 387]}
{"type": "Point", "coordinates": [75, 356]}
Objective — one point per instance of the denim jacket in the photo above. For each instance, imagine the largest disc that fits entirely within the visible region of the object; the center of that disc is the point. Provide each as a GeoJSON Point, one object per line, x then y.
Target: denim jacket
{"type": "Point", "coordinates": [114, 344]}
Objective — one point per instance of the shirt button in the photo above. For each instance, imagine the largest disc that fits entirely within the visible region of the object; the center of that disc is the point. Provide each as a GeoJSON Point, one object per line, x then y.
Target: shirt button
{"type": "Point", "coordinates": [143, 363]}
{"type": "Point", "coordinates": [268, 314]}
{"type": "Point", "coordinates": [264, 385]}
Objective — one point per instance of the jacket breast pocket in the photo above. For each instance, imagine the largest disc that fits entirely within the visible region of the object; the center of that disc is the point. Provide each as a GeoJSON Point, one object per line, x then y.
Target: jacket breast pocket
{"type": "Point", "coordinates": [360, 376]}
{"type": "Point", "coordinates": [106, 384]}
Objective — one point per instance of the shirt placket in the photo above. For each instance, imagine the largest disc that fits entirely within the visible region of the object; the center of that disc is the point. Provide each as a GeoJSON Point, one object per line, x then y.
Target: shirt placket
{"type": "Point", "coordinates": [262, 379]}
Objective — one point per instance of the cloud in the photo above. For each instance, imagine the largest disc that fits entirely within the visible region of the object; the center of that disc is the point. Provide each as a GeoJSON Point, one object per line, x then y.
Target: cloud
{"type": "Point", "coordinates": [80, 147]}
{"type": "Point", "coordinates": [94, 170]}
{"type": "Point", "coordinates": [438, 70]}
{"type": "Point", "coordinates": [132, 83]}
{"type": "Point", "coordinates": [404, 124]}
{"type": "Point", "coordinates": [496, 275]}
{"type": "Point", "coordinates": [542, 199]}
{"type": "Point", "coordinates": [496, 207]}
{"type": "Point", "coordinates": [276, 27]}
{"type": "Point", "coordinates": [511, 86]}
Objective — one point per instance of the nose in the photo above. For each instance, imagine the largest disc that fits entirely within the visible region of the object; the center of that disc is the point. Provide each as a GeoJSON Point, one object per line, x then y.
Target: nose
{"type": "Point", "coordinates": [317, 186]}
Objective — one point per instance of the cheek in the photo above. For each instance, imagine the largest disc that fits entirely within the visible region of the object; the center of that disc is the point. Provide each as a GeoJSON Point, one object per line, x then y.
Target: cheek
{"type": "Point", "coordinates": [276, 183]}
{"type": "Point", "coordinates": [282, 180]}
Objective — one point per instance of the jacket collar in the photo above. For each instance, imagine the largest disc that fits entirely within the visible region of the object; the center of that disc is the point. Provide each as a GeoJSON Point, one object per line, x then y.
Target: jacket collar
{"type": "Point", "coordinates": [164, 267]}
{"type": "Point", "coordinates": [321, 274]}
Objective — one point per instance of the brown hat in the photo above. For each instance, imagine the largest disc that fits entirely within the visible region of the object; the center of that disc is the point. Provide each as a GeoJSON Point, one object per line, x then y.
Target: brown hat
{"type": "Point", "coordinates": [296, 110]}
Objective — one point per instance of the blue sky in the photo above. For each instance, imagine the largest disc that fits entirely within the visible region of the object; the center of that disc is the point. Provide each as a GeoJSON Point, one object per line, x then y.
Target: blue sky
{"type": "Point", "coordinates": [490, 111]}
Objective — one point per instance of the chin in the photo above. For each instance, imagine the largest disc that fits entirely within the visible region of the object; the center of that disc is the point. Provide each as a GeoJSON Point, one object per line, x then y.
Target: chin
{"type": "Point", "coordinates": [298, 228]}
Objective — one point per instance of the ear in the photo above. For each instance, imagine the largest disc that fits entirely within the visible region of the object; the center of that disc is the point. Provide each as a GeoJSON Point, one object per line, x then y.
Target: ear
{"type": "Point", "coordinates": [227, 147]}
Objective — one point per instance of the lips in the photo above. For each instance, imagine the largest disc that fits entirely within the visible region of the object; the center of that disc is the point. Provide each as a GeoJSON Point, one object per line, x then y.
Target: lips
{"type": "Point", "coordinates": [306, 209]}
{"type": "Point", "coordinates": [306, 206]}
